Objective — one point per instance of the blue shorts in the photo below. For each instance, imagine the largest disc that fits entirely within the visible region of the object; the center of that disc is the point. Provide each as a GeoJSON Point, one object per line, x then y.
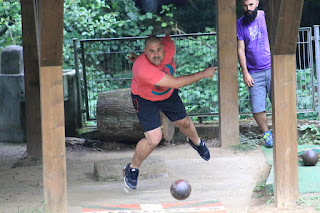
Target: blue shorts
{"type": "Point", "coordinates": [260, 89]}
{"type": "Point", "coordinates": [149, 111]}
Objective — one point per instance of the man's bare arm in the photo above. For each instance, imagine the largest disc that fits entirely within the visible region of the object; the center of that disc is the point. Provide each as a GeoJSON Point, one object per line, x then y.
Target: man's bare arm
{"type": "Point", "coordinates": [181, 81]}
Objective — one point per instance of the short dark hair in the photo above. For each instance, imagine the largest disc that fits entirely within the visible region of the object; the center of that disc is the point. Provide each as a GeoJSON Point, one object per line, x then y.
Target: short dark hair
{"type": "Point", "coordinates": [151, 39]}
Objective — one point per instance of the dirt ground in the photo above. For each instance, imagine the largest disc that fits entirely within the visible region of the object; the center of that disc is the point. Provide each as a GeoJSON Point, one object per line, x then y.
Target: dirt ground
{"type": "Point", "coordinates": [21, 188]}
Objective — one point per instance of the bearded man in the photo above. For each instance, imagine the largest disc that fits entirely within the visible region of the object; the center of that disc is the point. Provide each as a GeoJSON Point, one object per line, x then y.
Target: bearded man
{"type": "Point", "coordinates": [255, 62]}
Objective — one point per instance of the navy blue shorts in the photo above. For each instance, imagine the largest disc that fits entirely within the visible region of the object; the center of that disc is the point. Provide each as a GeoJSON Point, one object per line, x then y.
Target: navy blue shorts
{"type": "Point", "coordinates": [149, 111]}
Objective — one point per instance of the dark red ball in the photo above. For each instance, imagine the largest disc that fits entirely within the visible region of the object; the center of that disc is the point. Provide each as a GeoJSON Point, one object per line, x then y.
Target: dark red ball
{"type": "Point", "coordinates": [310, 158]}
{"type": "Point", "coordinates": [180, 189]}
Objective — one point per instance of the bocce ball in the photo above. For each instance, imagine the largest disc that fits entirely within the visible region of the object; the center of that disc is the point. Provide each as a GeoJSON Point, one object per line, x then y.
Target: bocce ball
{"type": "Point", "coordinates": [310, 158]}
{"type": "Point", "coordinates": [180, 189]}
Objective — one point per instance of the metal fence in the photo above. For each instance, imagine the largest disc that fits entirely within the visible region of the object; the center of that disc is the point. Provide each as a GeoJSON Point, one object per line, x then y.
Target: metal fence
{"type": "Point", "coordinates": [106, 67]}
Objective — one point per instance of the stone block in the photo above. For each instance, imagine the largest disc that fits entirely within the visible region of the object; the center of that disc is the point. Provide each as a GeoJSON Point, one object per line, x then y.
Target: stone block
{"type": "Point", "coordinates": [12, 60]}
{"type": "Point", "coordinates": [112, 169]}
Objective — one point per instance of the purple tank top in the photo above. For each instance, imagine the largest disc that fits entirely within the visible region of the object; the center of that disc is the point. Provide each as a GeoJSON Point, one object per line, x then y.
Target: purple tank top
{"type": "Point", "coordinates": [255, 37]}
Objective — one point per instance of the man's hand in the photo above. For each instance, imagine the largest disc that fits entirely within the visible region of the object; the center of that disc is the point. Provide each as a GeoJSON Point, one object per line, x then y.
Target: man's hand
{"type": "Point", "coordinates": [248, 80]}
{"type": "Point", "coordinates": [133, 57]}
{"type": "Point", "coordinates": [210, 71]}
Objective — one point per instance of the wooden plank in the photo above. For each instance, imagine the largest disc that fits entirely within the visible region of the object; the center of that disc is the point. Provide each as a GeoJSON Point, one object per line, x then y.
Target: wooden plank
{"type": "Point", "coordinates": [283, 20]}
{"type": "Point", "coordinates": [286, 187]}
{"type": "Point", "coordinates": [228, 84]}
{"type": "Point", "coordinates": [31, 79]}
{"type": "Point", "coordinates": [53, 139]}
{"type": "Point", "coordinates": [50, 26]}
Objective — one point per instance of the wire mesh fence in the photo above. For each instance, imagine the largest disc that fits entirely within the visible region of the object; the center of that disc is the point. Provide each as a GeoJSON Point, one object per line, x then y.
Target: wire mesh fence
{"type": "Point", "coordinates": [106, 67]}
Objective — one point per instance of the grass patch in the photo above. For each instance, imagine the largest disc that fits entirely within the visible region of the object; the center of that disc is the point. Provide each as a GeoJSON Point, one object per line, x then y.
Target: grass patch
{"type": "Point", "coordinates": [310, 201]}
{"type": "Point", "coordinates": [261, 186]}
{"type": "Point", "coordinates": [248, 142]}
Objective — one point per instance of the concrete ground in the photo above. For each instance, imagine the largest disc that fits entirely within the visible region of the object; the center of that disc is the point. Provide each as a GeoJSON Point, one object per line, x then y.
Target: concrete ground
{"type": "Point", "coordinates": [229, 177]}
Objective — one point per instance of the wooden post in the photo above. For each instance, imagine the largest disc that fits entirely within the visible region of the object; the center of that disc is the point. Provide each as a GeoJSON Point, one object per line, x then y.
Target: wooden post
{"type": "Point", "coordinates": [31, 79]}
{"type": "Point", "coordinates": [286, 187]}
{"type": "Point", "coordinates": [283, 21]}
{"type": "Point", "coordinates": [228, 83]}
{"type": "Point", "coordinates": [50, 38]}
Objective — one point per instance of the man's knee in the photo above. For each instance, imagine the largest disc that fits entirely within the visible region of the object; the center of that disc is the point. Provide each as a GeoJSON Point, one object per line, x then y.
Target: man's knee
{"type": "Point", "coordinates": [184, 123]}
{"type": "Point", "coordinates": [154, 137]}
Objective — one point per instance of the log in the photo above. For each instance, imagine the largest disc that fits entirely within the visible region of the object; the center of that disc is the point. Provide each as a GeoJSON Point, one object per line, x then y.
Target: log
{"type": "Point", "coordinates": [117, 119]}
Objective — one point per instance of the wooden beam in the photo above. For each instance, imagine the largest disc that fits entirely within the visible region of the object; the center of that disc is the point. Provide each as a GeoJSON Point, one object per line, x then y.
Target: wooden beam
{"type": "Point", "coordinates": [283, 20]}
{"type": "Point", "coordinates": [286, 188]}
{"type": "Point", "coordinates": [31, 79]}
{"type": "Point", "coordinates": [228, 72]}
{"type": "Point", "coordinates": [50, 15]}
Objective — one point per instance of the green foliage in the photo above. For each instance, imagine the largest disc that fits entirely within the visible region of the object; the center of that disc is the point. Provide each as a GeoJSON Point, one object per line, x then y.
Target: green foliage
{"type": "Point", "coordinates": [260, 187]}
{"type": "Point", "coordinates": [311, 201]}
{"type": "Point", "coordinates": [10, 23]}
{"type": "Point", "coordinates": [311, 135]}
{"type": "Point", "coordinates": [193, 55]}
{"type": "Point", "coordinates": [101, 19]}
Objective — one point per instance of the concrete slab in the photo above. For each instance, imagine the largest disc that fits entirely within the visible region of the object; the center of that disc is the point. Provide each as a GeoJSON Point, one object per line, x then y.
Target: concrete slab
{"type": "Point", "coordinates": [111, 169]}
{"type": "Point", "coordinates": [228, 177]}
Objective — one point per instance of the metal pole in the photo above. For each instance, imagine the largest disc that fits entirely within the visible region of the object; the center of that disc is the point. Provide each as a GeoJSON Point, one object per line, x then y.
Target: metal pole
{"type": "Point", "coordinates": [84, 73]}
{"type": "Point", "coordinates": [77, 78]}
{"type": "Point", "coordinates": [317, 58]}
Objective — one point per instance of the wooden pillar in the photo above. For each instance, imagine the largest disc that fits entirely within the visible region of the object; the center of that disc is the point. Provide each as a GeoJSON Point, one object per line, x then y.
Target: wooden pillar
{"type": "Point", "coordinates": [31, 79]}
{"type": "Point", "coordinates": [228, 83]}
{"type": "Point", "coordinates": [286, 187]}
{"type": "Point", "coordinates": [50, 38]}
{"type": "Point", "coordinates": [283, 21]}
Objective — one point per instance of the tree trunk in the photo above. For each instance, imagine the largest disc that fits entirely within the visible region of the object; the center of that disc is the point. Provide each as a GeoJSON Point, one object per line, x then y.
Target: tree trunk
{"type": "Point", "coordinates": [117, 119]}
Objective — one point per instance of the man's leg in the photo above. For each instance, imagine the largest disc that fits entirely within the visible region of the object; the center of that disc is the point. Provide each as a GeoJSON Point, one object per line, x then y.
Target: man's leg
{"type": "Point", "coordinates": [187, 127]}
{"type": "Point", "coordinates": [145, 146]}
{"type": "Point", "coordinates": [143, 149]}
{"type": "Point", "coordinates": [261, 119]}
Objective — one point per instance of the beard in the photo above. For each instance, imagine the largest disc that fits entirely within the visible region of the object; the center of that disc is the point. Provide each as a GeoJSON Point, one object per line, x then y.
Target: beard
{"type": "Point", "coordinates": [250, 17]}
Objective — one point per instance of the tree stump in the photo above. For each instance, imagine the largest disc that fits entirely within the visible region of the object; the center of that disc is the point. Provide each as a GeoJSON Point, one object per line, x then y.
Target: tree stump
{"type": "Point", "coordinates": [117, 119]}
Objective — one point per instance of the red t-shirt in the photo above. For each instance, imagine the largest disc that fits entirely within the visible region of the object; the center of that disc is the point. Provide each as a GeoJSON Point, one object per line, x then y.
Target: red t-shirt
{"type": "Point", "coordinates": [146, 74]}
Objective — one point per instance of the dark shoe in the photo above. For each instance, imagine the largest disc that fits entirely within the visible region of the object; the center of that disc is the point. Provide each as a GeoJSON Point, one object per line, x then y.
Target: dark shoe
{"type": "Point", "coordinates": [130, 176]}
{"type": "Point", "coordinates": [268, 140]}
{"type": "Point", "coordinates": [201, 149]}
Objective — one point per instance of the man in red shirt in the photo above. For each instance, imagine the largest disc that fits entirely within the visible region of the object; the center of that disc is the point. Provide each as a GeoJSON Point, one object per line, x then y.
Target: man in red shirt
{"type": "Point", "coordinates": [154, 89]}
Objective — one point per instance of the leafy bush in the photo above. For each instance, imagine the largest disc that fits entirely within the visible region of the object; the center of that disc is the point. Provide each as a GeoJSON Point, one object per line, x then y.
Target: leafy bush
{"type": "Point", "coordinates": [311, 135]}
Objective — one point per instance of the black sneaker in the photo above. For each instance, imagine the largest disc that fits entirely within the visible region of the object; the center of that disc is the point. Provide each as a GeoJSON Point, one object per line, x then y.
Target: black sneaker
{"type": "Point", "coordinates": [201, 149]}
{"type": "Point", "coordinates": [130, 176]}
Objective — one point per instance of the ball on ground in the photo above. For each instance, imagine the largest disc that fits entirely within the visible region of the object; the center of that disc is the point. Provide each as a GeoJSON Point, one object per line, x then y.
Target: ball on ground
{"type": "Point", "coordinates": [310, 158]}
{"type": "Point", "coordinates": [180, 189]}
